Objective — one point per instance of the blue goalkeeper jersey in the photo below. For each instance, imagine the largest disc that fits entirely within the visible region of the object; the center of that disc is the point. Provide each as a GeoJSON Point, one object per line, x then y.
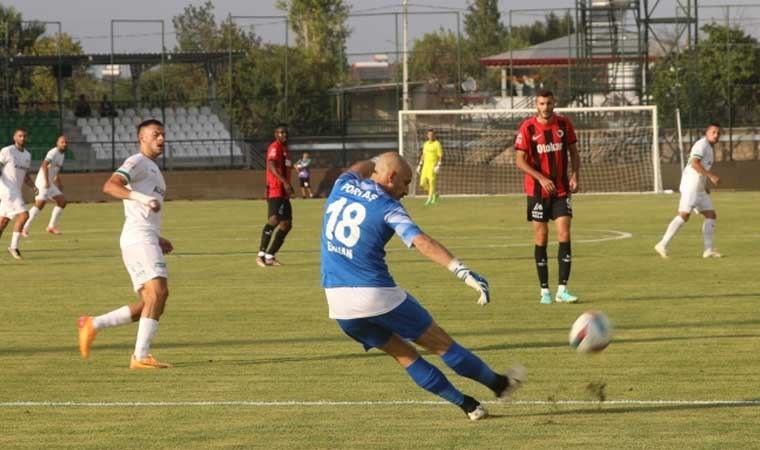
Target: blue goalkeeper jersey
{"type": "Point", "coordinates": [360, 218]}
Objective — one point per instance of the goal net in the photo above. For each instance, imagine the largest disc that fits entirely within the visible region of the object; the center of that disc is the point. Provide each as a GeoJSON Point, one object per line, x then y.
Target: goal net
{"type": "Point", "coordinates": [618, 148]}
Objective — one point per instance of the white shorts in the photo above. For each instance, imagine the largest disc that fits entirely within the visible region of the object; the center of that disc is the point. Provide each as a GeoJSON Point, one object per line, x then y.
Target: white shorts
{"type": "Point", "coordinates": [144, 262]}
{"type": "Point", "coordinates": [47, 194]}
{"type": "Point", "coordinates": [11, 206]}
{"type": "Point", "coordinates": [694, 200]}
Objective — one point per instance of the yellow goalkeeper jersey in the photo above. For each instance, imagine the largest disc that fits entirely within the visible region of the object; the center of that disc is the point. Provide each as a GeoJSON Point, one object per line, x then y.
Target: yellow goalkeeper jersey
{"type": "Point", "coordinates": [432, 152]}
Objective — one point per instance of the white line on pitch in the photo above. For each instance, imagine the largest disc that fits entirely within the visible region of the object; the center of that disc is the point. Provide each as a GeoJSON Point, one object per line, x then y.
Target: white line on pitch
{"type": "Point", "coordinates": [383, 403]}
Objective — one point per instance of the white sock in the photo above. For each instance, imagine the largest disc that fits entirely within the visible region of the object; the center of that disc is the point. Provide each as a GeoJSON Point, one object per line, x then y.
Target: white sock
{"type": "Point", "coordinates": [544, 291]}
{"type": "Point", "coordinates": [117, 317]}
{"type": "Point", "coordinates": [561, 288]}
{"type": "Point", "coordinates": [57, 211]}
{"type": "Point", "coordinates": [32, 214]}
{"type": "Point", "coordinates": [268, 257]}
{"type": "Point", "coordinates": [708, 228]}
{"type": "Point", "coordinates": [673, 228]}
{"type": "Point", "coordinates": [146, 331]}
{"type": "Point", "coordinates": [14, 239]}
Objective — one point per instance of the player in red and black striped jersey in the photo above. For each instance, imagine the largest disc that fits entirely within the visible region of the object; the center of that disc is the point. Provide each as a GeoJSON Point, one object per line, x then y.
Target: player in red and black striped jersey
{"type": "Point", "coordinates": [546, 150]}
{"type": "Point", "coordinates": [279, 190]}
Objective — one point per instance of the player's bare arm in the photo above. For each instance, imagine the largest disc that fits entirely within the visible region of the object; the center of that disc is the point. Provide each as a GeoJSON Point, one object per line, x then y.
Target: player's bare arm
{"type": "Point", "coordinates": [522, 164]}
{"type": "Point", "coordinates": [166, 245]}
{"type": "Point", "coordinates": [45, 168]}
{"type": "Point", "coordinates": [58, 181]}
{"type": "Point", "coordinates": [116, 187]}
{"type": "Point", "coordinates": [696, 164]}
{"type": "Point", "coordinates": [286, 183]}
{"type": "Point", "coordinates": [437, 253]}
{"type": "Point", "coordinates": [28, 181]}
{"type": "Point", "coordinates": [432, 250]}
{"type": "Point", "coordinates": [575, 167]}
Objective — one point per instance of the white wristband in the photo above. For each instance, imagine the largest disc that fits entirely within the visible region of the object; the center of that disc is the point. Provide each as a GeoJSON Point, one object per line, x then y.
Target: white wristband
{"type": "Point", "coordinates": [453, 265]}
{"type": "Point", "coordinates": [140, 197]}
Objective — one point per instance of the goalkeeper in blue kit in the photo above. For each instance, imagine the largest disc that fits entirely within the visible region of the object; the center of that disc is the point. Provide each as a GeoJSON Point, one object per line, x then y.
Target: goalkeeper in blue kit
{"type": "Point", "coordinates": [362, 213]}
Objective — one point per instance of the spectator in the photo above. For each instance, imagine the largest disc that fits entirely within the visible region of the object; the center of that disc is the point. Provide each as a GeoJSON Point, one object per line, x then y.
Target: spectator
{"type": "Point", "coordinates": [82, 107]}
{"type": "Point", "coordinates": [106, 108]}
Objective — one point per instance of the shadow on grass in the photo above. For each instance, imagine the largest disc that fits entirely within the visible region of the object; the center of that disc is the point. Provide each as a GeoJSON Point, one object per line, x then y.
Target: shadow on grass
{"type": "Point", "coordinates": [253, 343]}
{"type": "Point", "coordinates": [616, 342]}
{"type": "Point", "coordinates": [558, 410]}
{"type": "Point", "coordinates": [723, 297]}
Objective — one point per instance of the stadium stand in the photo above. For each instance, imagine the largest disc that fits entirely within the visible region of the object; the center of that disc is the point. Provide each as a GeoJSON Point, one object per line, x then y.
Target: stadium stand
{"type": "Point", "coordinates": [190, 133]}
{"type": "Point", "coordinates": [42, 129]}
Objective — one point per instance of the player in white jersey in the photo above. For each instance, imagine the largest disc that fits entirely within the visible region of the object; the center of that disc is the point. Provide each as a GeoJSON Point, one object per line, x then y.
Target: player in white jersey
{"type": "Point", "coordinates": [139, 183]}
{"type": "Point", "coordinates": [695, 193]}
{"type": "Point", "coordinates": [14, 165]}
{"type": "Point", "coordinates": [49, 187]}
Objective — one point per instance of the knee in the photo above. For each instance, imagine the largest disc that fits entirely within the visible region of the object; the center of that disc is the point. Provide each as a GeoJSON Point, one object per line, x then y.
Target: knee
{"type": "Point", "coordinates": [62, 204]}
{"type": "Point", "coordinates": [684, 215]}
{"type": "Point", "coordinates": [273, 221]}
{"type": "Point", "coordinates": [285, 226]}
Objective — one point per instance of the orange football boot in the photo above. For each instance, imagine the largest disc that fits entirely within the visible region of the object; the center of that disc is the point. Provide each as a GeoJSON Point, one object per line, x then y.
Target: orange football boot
{"type": "Point", "coordinates": [146, 363]}
{"type": "Point", "coordinates": [86, 335]}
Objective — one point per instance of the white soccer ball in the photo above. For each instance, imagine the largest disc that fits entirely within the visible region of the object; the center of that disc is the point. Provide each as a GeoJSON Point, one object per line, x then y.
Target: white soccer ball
{"type": "Point", "coordinates": [591, 332]}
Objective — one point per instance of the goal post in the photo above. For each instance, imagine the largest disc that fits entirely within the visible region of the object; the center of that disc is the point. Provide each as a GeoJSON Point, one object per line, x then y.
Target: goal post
{"type": "Point", "coordinates": [618, 147]}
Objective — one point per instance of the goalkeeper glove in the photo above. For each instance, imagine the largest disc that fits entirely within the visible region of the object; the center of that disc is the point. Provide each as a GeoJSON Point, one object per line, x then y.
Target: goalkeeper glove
{"type": "Point", "coordinates": [472, 279]}
{"type": "Point", "coordinates": [437, 168]}
{"type": "Point", "coordinates": [419, 168]}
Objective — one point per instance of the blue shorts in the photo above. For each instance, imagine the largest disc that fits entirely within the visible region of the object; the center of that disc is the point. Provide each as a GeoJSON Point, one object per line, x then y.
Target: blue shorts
{"type": "Point", "coordinates": [409, 320]}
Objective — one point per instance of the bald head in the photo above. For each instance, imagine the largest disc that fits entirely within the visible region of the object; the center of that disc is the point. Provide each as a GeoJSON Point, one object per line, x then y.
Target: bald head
{"type": "Point", "coordinates": [393, 173]}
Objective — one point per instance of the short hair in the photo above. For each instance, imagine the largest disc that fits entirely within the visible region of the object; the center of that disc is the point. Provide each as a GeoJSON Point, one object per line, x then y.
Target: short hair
{"type": "Point", "coordinates": [148, 122]}
{"type": "Point", "coordinates": [17, 129]}
{"type": "Point", "coordinates": [431, 129]}
{"type": "Point", "coordinates": [712, 123]}
{"type": "Point", "coordinates": [545, 93]}
{"type": "Point", "coordinates": [281, 125]}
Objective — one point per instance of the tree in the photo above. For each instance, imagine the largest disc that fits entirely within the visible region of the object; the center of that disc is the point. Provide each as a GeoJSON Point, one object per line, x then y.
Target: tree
{"type": "Point", "coordinates": [320, 28]}
{"type": "Point", "coordinates": [485, 32]}
{"type": "Point", "coordinates": [41, 88]}
{"type": "Point", "coordinates": [718, 80]}
{"type": "Point", "coordinates": [21, 38]}
{"type": "Point", "coordinates": [434, 56]}
{"type": "Point", "coordinates": [552, 27]}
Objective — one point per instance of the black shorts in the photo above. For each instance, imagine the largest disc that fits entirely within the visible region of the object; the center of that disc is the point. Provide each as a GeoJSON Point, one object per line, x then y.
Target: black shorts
{"type": "Point", "coordinates": [304, 182]}
{"type": "Point", "coordinates": [545, 209]}
{"type": "Point", "coordinates": [280, 207]}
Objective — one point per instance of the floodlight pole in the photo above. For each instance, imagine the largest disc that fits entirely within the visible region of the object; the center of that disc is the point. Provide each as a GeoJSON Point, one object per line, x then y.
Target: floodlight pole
{"type": "Point", "coordinates": [405, 56]}
{"type": "Point", "coordinates": [6, 53]}
{"type": "Point", "coordinates": [113, 83]}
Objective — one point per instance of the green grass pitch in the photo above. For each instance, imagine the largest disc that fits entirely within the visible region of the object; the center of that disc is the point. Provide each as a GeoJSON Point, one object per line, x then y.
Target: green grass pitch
{"type": "Point", "coordinates": [259, 365]}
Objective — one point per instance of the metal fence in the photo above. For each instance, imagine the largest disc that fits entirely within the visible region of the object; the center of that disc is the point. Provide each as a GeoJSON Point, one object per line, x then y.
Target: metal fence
{"type": "Point", "coordinates": [212, 122]}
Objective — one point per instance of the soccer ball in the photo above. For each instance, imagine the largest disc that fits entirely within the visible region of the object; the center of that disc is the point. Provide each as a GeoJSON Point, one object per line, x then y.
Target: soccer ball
{"type": "Point", "coordinates": [591, 332]}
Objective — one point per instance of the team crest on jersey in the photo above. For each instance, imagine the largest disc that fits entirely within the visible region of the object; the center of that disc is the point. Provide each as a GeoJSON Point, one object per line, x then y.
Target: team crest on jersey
{"type": "Point", "coordinates": [560, 133]}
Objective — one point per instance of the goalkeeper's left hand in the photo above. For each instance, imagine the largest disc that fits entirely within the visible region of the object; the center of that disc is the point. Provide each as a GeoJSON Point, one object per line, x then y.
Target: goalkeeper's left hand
{"type": "Point", "coordinates": [437, 168]}
{"type": "Point", "coordinates": [473, 280]}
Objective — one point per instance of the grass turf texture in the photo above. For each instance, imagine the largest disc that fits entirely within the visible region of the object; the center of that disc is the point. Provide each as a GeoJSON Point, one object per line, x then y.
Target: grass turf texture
{"type": "Point", "coordinates": [685, 329]}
